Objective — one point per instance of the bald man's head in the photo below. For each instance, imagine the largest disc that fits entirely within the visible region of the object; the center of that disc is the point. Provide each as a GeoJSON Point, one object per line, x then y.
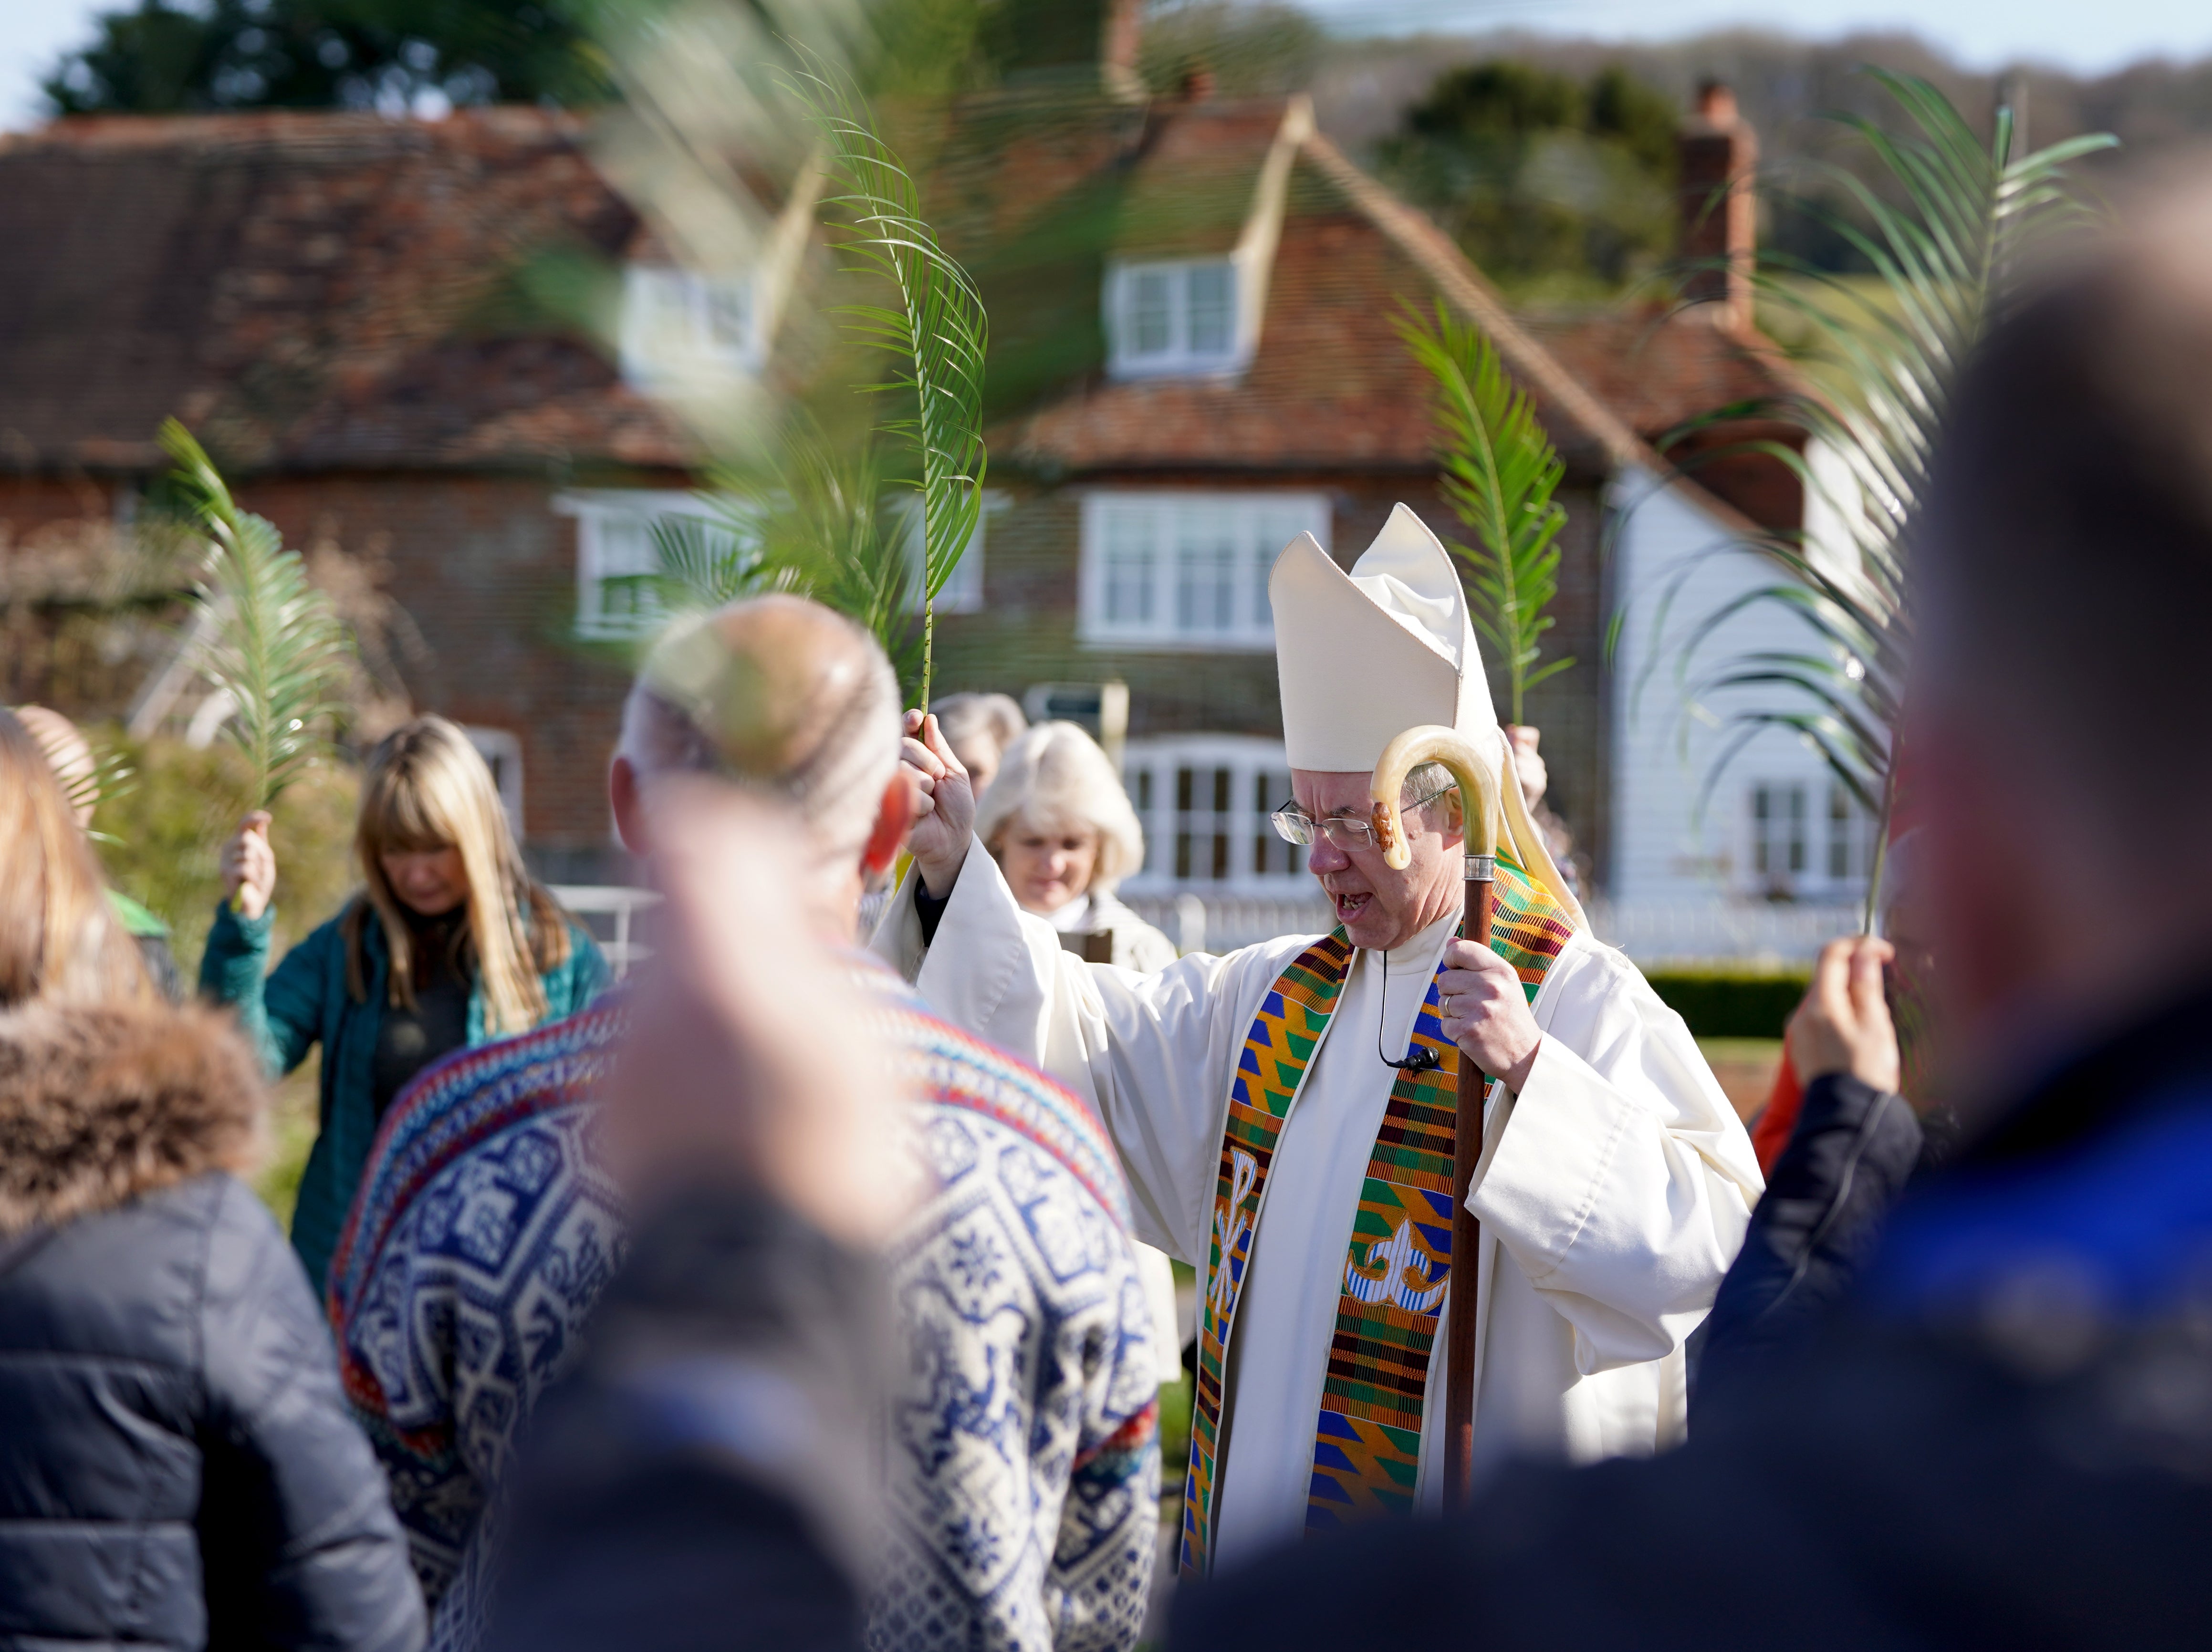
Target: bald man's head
{"type": "Point", "coordinates": [781, 695]}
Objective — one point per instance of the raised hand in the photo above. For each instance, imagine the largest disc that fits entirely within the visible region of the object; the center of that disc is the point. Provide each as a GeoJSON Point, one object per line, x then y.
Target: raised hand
{"type": "Point", "coordinates": [945, 804]}
{"type": "Point", "coordinates": [249, 866]}
{"type": "Point", "coordinates": [1844, 1025]}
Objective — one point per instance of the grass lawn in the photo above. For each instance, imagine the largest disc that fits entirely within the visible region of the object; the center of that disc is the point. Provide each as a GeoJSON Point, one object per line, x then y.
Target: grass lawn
{"type": "Point", "coordinates": [1746, 1069]}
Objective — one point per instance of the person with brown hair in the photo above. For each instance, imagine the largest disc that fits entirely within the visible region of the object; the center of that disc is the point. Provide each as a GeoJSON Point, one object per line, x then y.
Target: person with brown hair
{"type": "Point", "coordinates": [450, 943]}
{"type": "Point", "coordinates": [179, 1470]}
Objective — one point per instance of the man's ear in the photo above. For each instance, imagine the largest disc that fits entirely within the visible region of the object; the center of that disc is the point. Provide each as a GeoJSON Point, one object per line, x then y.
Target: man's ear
{"type": "Point", "coordinates": [625, 791]}
{"type": "Point", "coordinates": [894, 816]}
{"type": "Point", "coordinates": [1450, 814]}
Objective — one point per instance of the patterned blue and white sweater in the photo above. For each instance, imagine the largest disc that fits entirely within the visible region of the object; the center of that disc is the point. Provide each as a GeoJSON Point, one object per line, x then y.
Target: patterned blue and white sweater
{"type": "Point", "coordinates": [1023, 1460]}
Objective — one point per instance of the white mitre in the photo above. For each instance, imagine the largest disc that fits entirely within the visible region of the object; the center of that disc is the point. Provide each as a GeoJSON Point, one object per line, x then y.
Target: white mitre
{"type": "Point", "coordinates": [1362, 657]}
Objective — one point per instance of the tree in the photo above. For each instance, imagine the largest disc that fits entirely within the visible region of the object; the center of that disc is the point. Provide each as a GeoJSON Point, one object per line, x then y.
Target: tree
{"type": "Point", "coordinates": [1541, 176]}
{"type": "Point", "coordinates": [168, 57]}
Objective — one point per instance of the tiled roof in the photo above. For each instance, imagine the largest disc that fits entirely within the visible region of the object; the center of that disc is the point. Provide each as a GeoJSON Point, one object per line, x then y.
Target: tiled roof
{"type": "Point", "coordinates": [336, 291]}
{"type": "Point", "coordinates": [309, 291]}
{"type": "Point", "coordinates": [1331, 386]}
{"type": "Point", "coordinates": [1190, 181]}
{"type": "Point", "coordinates": [1658, 367]}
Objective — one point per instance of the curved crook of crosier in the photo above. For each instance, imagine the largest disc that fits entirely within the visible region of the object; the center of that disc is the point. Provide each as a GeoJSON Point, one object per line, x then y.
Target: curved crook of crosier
{"type": "Point", "coordinates": [1433, 743]}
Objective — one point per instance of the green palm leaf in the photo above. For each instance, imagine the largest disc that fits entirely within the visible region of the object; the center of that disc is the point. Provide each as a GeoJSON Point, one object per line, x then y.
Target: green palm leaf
{"type": "Point", "coordinates": [113, 775]}
{"type": "Point", "coordinates": [936, 333]}
{"type": "Point", "coordinates": [266, 637]}
{"type": "Point", "coordinates": [1950, 259]}
{"type": "Point", "coordinates": [821, 524]}
{"type": "Point", "coordinates": [838, 534]}
{"type": "Point", "coordinates": [706, 561]}
{"type": "Point", "coordinates": [1500, 472]}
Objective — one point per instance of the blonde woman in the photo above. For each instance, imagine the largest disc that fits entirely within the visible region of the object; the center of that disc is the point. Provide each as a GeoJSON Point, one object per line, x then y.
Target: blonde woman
{"type": "Point", "coordinates": [449, 943]}
{"type": "Point", "coordinates": [1059, 824]}
{"type": "Point", "coordinates": [182, 1468]}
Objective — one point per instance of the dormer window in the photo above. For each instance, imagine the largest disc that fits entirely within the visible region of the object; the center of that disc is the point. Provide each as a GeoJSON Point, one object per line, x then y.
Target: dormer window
{"type": "Point", "coordinates": [676, 324]}
{"type": "Point", "coordinates": [1171, 318]}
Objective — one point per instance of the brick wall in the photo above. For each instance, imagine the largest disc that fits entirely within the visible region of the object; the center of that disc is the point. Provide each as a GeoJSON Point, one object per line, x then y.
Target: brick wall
{"type": "Point", "coordinates": [488, 575]}
{"type": "Point", "coordinates": [486, 572]}
{"type": "Point", "coordinates": [57, 548]}
{"type": "Point", "coordinates": [29, 504]}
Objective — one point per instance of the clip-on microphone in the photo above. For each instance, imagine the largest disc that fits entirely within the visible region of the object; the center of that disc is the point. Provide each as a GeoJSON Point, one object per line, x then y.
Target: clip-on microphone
{"type": "Point", "coordinates": [1420, 1057]}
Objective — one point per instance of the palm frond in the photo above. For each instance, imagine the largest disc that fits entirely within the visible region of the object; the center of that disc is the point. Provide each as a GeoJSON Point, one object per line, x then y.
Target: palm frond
{"type": "Point", "coordinates": [1950, 254]}
{"type": "Point", "coordinates": [842, 534]}
{"type": "Point", "coordinates": [270, 641]}
{"type": "Point", "coordinates": [112, 774]}
{"type": "Point", "coordinates": [936, 333]}
{"type": "Point", "coordinates": [706, 561]}
{"type": "Point", "coordinates": [822, 524]}
{"type": "Point", "coordinates": [1500, 473]}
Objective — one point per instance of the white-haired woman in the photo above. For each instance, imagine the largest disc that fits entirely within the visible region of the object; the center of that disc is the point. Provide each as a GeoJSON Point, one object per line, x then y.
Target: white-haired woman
{"type": "Point", "coordinates": [1059, 824]}
{"type": "Point", "coordinates": [449, 943]}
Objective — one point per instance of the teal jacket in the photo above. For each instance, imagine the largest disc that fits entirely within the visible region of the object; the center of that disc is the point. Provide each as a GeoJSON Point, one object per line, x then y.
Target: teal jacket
{"type": "Point", "coordinates": [306, 999]}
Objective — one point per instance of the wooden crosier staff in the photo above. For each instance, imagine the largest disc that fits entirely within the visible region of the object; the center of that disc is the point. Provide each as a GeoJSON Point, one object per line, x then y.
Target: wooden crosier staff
{"type": "Point", "coordinates": [1478, 811]}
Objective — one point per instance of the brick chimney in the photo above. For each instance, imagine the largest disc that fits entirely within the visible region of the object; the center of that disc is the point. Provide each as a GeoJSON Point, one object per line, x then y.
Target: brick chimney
{"type": "Point", "coordinates": [1120, 33]}
{"type": "Point", "coordinates": [1090, 44]}
{"type": "Point", "coordinates": [1720, 213]}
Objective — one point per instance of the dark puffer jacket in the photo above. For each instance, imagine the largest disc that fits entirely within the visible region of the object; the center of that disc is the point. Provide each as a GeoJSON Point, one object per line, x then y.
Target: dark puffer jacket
{"type": "Point", "coordinates": [177, 1465]}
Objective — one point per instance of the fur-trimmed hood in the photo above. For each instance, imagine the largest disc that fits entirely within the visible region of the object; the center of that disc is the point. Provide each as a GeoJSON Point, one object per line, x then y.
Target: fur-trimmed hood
{"type": "Point", "coordinates": [101, 1105]}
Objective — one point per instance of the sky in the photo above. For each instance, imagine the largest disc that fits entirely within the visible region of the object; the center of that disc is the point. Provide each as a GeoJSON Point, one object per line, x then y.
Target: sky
{"type": "Point", "coordinates": [2088, 38]}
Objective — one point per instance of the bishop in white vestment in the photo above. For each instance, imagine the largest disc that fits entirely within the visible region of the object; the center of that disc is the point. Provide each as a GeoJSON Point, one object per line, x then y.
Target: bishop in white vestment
{"type": "Point", "coordinates": [1270, 1141]}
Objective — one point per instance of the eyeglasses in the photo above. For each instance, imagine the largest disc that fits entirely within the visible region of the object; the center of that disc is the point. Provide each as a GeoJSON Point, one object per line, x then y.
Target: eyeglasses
{"type": "Point", "coordinates": [1294, 825]}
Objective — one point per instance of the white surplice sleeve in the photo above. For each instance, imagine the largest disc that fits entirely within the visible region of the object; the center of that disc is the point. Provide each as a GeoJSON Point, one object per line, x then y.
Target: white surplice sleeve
{"type": "Point", "coordinates": [1622, 1182]}
{"type": "Point", "coordinates": [1152, 1055]}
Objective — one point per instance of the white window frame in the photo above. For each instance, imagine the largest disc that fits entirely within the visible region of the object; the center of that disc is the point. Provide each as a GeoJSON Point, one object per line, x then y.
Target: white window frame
{"type": "Point", "coordinates": [1847, 833]}
{"type": "Point", "coordinates": [698, 347]}
{"type": "Point", "coordinates": [1179, 358]}
{"type": "Point", "coordinates": [1259, 781]}
{"type": "Point", "coordinates": [1831, 827]}
{"type": "Point", "coordinates": [602, 555]}
{"type": "Point", "coordinates": [502, 750]}
{"type": "Point", "coordinates": [1179, 609]}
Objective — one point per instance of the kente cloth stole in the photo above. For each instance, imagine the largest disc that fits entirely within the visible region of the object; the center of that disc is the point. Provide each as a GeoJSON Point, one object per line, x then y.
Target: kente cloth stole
{"type": "Point", "coordinates": [1367, 1442]}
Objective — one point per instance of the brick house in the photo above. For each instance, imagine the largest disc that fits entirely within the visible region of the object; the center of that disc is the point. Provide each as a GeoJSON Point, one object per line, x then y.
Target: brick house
{"type": "Point", "coordinates": [1194, 359]}
{"type": "Point", "coordinates": [333, 302]}
{"type": "Point", "coordinates": [1215, 287]}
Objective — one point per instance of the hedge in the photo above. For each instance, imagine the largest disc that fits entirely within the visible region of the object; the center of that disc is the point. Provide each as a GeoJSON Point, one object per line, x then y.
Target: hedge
{"type": "Point", "coordinates": [1731, 1003]}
